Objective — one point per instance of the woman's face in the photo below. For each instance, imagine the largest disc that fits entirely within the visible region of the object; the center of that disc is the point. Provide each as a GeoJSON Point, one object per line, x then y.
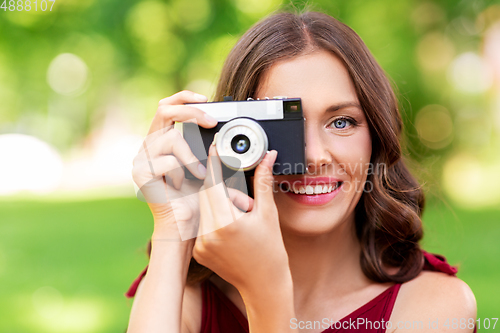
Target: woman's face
{"type": "Point", "coordinates": [338, 143]}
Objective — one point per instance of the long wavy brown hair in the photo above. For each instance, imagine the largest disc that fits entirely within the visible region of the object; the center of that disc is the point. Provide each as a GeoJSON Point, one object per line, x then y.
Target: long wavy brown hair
{"type": "Point", "coordinates": [388, 215]}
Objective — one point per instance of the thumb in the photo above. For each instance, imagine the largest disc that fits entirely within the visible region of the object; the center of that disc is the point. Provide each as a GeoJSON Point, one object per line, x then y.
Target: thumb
{"type": "Point", "coordinates": [263, 181]}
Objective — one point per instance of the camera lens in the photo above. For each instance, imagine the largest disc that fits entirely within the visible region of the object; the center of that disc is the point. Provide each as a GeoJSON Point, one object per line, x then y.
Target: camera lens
{"type": "Point", "coordinates": [240, 144]}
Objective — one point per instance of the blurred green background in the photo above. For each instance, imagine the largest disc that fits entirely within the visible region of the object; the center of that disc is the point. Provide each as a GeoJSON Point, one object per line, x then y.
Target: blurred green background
{"type": "Point", "coordinates": [80, 83]}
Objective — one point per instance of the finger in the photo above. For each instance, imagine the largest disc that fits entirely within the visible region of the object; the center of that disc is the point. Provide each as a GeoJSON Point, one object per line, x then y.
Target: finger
{"type": "Point", "coordinates": [263, 182]}
{"type": "Point", "coordinates": [214, 178]}
{"type": "Point", "coordinates": [172, 143]}
{"type": "Point", "coordinates": [170, 167]}
{"type": "Point", "coordinates": [172, 109]}
{"type": "Point", "coordinates": [223, 210]}
{"type": "Point", "coordinates": [240, 200]}
{"type": "Point", "coordinates": [152, 137]}
{"type": "Point", "coordinates": [167, 115]}
{"type": "Point", "coordinates": [210, 218]}
{"type": "Point", "coordinates": [206, 218]}
{"type": "Point", "coordinates": [174, 170]}
{"type": "Point", "coordinates": [153, 176]}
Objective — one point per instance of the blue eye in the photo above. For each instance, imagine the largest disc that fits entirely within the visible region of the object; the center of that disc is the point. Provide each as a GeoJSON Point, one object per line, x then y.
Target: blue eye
{"type": "Point", "coordinates": [341, 123]}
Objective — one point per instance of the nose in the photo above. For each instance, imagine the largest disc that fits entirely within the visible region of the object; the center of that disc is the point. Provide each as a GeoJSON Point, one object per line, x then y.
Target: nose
{"type": "Point", "coordinates": [318, 155]}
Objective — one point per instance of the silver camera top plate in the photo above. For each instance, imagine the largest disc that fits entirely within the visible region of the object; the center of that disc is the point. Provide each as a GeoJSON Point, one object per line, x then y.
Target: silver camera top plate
{"type": "Point", "coordinates": [258, 110]}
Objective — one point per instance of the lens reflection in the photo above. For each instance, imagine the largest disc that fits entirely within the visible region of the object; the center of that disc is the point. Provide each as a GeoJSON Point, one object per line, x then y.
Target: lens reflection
{"type": "Point", "coordinates": [240, 144]}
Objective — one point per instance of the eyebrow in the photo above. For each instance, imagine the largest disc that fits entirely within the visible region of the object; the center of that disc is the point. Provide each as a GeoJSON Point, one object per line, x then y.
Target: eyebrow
{"type": "Point", "coordinates": [336, 107]}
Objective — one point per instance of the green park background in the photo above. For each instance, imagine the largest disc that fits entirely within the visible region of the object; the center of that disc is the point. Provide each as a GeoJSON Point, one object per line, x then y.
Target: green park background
{"type": "Point", "coordinates": [80, 83]}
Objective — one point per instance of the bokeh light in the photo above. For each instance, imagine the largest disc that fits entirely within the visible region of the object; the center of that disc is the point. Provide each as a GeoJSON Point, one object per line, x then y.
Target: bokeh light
{"type": "Point", "coordinates": [28, 164]}
{"type": "Point", "coordinates": [469, 73]}
{"type": "Point", "coordinates": [193, 15]}
{"type": "Point", "coordinates": [427, 14]}
{"type": "Point", "coordinates": [150, 25]}
{"type": "Point", "coordinates": [48, 302]}
{"type": "Point", "coordinates": [148, 20]}
{"type": "Point", "coordinates": [67, 74]}
{"type": "Point", "coordinates": [488, 17]}
{"type": "Point", "coordinates": [54, 313]}
{"type": "Point", "coordinates": [435, 51]}
{"type": "Point", "coordinates": [434, 126]}
{"type": "Point", "coordinates": [472, 183]}
{"type": "Point", "coordinates": [473, 127]}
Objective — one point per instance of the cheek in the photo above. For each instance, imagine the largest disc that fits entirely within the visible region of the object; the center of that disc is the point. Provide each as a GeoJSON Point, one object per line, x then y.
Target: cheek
{"type": "Point", "coordinates": [353, 153]}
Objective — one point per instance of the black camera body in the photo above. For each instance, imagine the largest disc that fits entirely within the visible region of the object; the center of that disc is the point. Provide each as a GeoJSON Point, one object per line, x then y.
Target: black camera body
{"type": "Point", "coordinates": [247, 130]}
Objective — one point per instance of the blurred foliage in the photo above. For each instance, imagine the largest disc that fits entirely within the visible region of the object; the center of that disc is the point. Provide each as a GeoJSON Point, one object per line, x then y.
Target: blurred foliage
{"type": "Point", "coordinates": [138, 52]}
{"type": "Point", "coordinates": [63, 72]}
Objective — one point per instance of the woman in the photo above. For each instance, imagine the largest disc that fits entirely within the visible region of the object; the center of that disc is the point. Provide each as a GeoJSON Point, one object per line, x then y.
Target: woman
{"type": "Point", "coordinates": [298, 261]}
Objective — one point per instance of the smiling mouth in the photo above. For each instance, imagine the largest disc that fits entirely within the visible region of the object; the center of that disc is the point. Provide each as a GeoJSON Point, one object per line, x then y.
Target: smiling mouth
{"type": "Point", "coordinates": [314, 189]}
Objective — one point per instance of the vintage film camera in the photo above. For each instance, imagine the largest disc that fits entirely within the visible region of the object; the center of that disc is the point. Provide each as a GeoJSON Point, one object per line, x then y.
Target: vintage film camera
{"type": "Point", "coordinates": [247, 130]}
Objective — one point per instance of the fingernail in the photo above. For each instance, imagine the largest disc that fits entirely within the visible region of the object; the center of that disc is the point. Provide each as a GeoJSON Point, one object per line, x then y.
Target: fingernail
{"type": "Point", "coordinates": [202, 170]}
{"type": "Point", "coordinates": [200, 97]}
{"type": "Point", "coordinates": [212, 151]}
{"type": "Point", "coordinates": [269, 159]}
{"type": "Point", "coordinates": [210, 119]}
{"type": "Point", "coordinates": [215, 138]}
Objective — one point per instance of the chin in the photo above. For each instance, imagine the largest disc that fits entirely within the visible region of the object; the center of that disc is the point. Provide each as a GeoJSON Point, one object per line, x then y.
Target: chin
{"type": "Point", "coordinates": [312, 222]}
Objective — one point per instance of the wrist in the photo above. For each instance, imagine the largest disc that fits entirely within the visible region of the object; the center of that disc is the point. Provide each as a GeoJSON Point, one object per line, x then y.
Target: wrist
{"type": "Point", "coordinates": [268, 278]}
{"type": "Point", "coordinates": [165, 232]}
{"type": "Point", "coordinates": [271, 307]}
{"type": "Point", "coordinates": [170, 254]}
{"type": "Point", "coordinates": [275, 289]}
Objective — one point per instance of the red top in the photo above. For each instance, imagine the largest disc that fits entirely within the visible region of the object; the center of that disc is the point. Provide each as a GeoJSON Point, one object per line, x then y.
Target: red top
{"type": "Point", "coordinates": [220, 315]}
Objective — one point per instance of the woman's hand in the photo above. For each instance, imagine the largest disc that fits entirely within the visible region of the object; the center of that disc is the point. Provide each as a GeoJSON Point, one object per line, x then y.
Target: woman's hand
{"type": "Point", "coordinates": [158, 167]}
{"type": "Point", "coordinates": [174, 202]}
{"type": "Point", "coordinates": [245, 248]}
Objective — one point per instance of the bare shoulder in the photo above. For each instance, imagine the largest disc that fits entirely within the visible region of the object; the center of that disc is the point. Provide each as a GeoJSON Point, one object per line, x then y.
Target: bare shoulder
{"type": "Point", "coordinates": [435, 298]}
{"type": "Point", "coordinates": [191, 309]}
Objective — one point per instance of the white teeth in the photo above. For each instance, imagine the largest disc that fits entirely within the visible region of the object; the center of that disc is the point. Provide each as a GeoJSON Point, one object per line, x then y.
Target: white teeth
{"type": "Point", "coordinates": [310, 190]}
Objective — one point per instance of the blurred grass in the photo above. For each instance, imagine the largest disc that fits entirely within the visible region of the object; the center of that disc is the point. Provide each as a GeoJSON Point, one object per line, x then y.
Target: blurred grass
{"type": "Point", "coordinates": [90, 251]}
{"type": "Point", "coordinates": [470, 240]}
